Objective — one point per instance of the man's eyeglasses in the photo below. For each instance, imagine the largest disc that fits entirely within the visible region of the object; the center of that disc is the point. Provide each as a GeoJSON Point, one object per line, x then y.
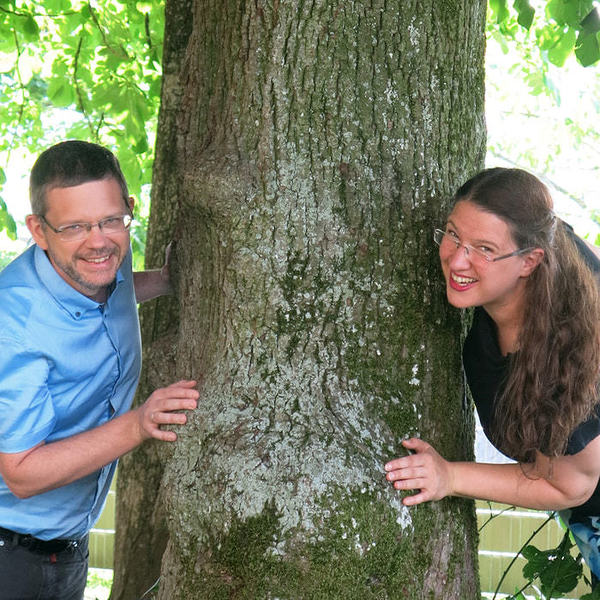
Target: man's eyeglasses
{"type": "Point", "coordinates": [79, 231]}
{"type": "Point", "coordinates": [445, 238]}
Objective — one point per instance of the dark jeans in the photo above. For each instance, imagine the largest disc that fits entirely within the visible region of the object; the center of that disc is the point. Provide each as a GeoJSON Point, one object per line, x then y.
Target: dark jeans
{"type": "Point", "coordinates": [31, 575]}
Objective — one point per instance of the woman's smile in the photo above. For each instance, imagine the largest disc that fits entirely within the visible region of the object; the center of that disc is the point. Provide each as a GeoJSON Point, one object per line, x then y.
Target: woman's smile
{"type": "Point", "coordinates": [460, 282]}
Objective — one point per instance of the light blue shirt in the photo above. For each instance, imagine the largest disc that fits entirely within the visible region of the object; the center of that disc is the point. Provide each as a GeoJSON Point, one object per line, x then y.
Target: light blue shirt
{"type": "Point", "coordinates": [67, 364]}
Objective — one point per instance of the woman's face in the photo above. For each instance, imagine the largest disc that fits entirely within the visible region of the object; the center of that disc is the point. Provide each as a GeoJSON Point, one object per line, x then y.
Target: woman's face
{"type": "Point", "coordinates": [471, 280]}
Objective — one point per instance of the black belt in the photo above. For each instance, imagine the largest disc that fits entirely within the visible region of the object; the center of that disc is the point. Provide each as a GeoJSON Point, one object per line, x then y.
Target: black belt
{"type": "Point", "coordinates": [36, 545]}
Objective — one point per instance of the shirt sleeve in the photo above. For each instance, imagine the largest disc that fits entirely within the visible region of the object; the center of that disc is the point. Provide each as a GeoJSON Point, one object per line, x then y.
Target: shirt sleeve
{"type": "Point", "coordinates": [584, 433]}
{"type": "Point", "coordinates": [26, 409]}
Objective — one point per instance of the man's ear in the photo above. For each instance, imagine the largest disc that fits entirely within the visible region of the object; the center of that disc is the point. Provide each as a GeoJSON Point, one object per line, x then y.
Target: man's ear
{"type": "Point", "coordinates": [131, 203]}
{"type": "Point", "coordinates": [34, 224]}
{"type": "Point", "coordinates": [531, 260]}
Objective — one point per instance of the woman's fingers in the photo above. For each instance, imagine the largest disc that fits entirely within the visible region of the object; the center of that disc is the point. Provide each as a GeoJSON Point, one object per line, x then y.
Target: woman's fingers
{"type": "Point", "coordinates": [425, 470]}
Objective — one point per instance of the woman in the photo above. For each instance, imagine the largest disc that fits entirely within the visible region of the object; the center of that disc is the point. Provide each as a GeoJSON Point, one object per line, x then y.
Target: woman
{"type": "Point", "coordinates": [532, 356]}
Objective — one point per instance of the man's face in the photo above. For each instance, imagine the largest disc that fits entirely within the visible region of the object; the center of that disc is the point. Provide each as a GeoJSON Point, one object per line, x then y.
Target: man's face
{"type": "Point", "coordinates": [90, 264]}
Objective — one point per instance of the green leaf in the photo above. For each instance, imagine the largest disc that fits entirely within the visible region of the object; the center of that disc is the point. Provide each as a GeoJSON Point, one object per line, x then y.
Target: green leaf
{"type": "Point", "coordinates": [536, 82]}
{"type": "Point", "coordinates": [7, 223]}
{"type": "Point", "coordinates": [141, 145]}
{"type": "Point", "coordinates": [569, 12]}
{"type": "Point", "coordinates": [2, 176]}
{"type": "Point", "coordinates": [31, 29]}
{"type": "Point", "coordinates": [591, 23]}
{"type": "Point", "coordinates": [61, 92]}
{"type": "Point", "coordinates": [558, 53]}
{"type": "Point", "coordinates": [557, 569]}
{"type": "Point", "coordinates": [499, 9]}
{"type": "Point", "coordinates": [587, 49]}
{"type": "Point", "coordinates": [526, 13]}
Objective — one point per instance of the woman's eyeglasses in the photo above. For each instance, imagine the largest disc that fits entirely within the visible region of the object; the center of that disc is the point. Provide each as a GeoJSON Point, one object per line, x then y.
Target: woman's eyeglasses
{"type": "Point", "coordinates": [451, 240]}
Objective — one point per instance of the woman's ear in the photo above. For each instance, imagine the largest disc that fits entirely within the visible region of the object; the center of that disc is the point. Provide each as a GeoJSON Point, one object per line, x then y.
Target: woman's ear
{"type": "Point", "coordinates": [34, 224]}
{"type": "Point", "coordinates": [531, 260]}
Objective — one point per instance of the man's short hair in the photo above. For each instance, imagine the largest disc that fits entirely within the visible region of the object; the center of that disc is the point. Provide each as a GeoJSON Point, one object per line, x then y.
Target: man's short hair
{"type": "Point", "coordinates": [68, 164]}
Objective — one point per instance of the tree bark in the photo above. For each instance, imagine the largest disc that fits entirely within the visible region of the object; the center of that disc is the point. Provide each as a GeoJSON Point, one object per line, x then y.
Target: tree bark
{"type": "Point", "coordinates": [306, 151]}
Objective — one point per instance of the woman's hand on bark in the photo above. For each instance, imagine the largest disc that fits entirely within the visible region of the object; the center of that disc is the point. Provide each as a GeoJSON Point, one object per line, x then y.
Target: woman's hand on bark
{"type": "Point", "coordinates": [424, 470]}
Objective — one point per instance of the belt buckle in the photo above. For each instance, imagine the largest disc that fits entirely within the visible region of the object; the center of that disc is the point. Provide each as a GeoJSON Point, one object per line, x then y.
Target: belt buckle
{"type": "Point", "coordinates": [25, 540]}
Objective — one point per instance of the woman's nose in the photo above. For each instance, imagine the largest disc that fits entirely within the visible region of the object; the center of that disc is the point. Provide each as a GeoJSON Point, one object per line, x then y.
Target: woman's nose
{"type": "Point", "coordinates": [460, 257]}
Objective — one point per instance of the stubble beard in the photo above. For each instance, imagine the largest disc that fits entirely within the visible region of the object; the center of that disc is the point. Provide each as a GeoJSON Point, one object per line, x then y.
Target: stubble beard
{"type": "Point", "coordinates": [90, 288]}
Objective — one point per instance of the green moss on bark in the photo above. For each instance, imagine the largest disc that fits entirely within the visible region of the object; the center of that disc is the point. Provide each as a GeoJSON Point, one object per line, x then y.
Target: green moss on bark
{"type": "Point", "coordinates": [359, 550]}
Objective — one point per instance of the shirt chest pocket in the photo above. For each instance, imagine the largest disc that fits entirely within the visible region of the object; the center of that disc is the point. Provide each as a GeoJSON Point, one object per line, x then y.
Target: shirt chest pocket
{"type": "Point", "coordinates": [84, 371]}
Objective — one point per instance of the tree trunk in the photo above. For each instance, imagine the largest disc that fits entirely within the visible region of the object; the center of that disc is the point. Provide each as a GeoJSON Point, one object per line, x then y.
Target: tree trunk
{"type": "Point", "coordinates": [306, 151]}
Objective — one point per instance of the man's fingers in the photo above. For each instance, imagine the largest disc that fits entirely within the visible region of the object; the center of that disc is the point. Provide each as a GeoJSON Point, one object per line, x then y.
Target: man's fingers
{"type": "Point", "coordinates": [177, 396]}
{"type": "Point", "coordinates": [164, 436]}
{"type": "Point", "coordinates": [169, 418]}
{"type": "Point", "coordinates": [184, 383]}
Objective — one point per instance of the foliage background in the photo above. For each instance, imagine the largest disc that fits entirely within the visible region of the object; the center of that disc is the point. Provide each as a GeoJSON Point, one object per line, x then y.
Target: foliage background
{"type": "Point", "coordinates": [87, 70]}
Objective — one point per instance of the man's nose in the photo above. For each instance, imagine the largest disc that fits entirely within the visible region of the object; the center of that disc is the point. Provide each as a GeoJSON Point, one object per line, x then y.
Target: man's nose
{"type": "Point", "coordinates": [95, 235]}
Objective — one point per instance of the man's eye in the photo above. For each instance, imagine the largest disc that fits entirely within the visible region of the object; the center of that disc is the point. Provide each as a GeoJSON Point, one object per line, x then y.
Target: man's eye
{"type": "Point", "coordinates": [73, 228]}
{"type": "Point", "coordinates": [111, 221]}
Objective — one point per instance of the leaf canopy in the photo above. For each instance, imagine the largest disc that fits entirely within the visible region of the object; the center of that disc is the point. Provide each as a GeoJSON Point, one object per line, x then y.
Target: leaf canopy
{"type": "Point", "coordinates": [76, 69]}
{"type": "Point", "coordinates": [91, 69]}
{"type": "Point", "coordinates": [561, 27]}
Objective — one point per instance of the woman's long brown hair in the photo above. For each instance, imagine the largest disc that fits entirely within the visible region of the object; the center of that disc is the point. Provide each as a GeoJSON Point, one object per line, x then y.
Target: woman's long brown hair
{"type": "Point", "coordinates": [553, 381]}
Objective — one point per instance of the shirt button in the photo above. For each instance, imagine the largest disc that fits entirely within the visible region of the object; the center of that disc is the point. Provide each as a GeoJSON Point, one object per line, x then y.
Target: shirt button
{"type": "Point", "coordinates": [78, 314]}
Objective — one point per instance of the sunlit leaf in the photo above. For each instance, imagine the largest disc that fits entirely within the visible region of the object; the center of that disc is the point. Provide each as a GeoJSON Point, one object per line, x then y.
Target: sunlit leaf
{"type": "Point", "coordinates": [60, 92]}
{"type": "Point", "coordinates": [587, 49]}
{"type": "Point", "coordinates": [499, 10]}
{"type": "Point", "coordinates": [7, 223]}
{"type": "Point", "coordinates": [569, 12]}
{"type": "Point", "coordinates": [526, 13]}
{"type": "Point", "coordinates": [562, 48]}
{"type": "Point", "coordinates": [30, 28]}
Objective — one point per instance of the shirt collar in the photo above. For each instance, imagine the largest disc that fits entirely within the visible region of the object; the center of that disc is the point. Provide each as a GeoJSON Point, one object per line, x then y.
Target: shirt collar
{"type": "Point", "coordinates": [74, 302]}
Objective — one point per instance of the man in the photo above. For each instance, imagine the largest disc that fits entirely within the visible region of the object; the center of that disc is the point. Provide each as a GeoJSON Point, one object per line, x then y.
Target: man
{"type": "Point", "coordinates": [70, 359]}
